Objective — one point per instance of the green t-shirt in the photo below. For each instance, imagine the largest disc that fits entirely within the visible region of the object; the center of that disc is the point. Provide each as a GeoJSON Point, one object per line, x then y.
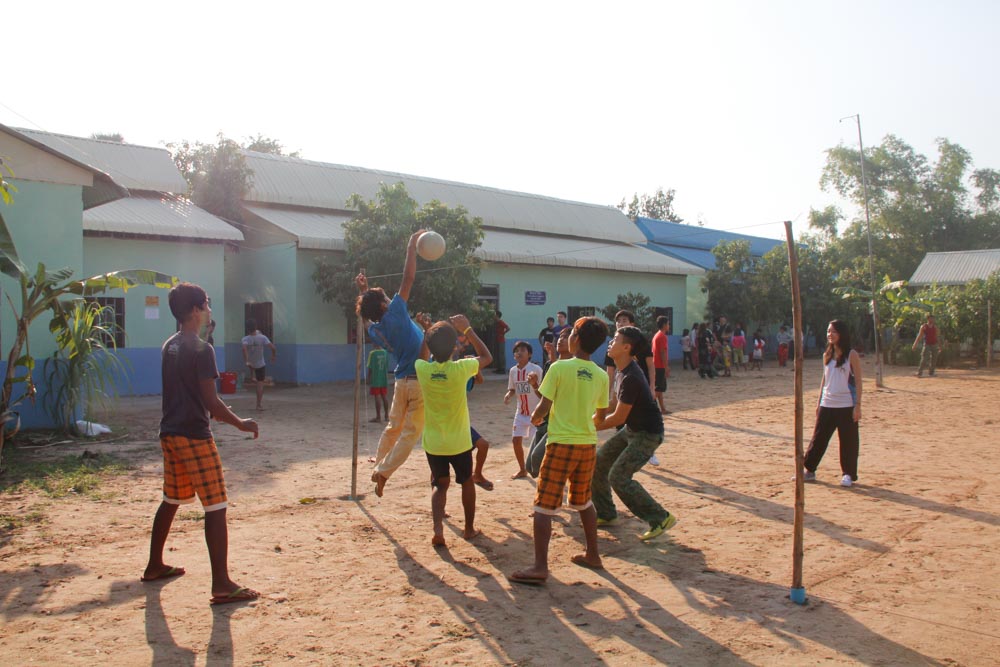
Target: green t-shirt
{"type": "Point", "coordinates": [378, 365]}
{"type": "Point", "coordinates": [446, 410]}
{"type": "Point", "coordinates": [576, 388]}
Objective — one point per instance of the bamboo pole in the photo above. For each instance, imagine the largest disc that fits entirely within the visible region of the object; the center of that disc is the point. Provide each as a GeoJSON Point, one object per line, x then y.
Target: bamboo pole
{"type": "Point", "coordinates": [798, 592]}
{"type": "Point", "coordinates": [357, 405]}
{"type": "Point", "coordinates": [989, 333]}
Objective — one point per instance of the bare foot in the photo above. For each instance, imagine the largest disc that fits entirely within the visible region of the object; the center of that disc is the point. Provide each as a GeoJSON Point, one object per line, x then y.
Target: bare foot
{"type": "Point", "coordinates": [521, 474]}
{"type": "Point", "coordinates": [531, 577]}
{"type": "Point", "coordinates": [438, 541]}
{"type": "Point", "coordinates": [481, 481]}
{"type": "Point", "coordinates": [379, 484]}
{"type": "Point", "coordinates": [260, 408]}
{"type": "Point", "coordinates": [374, 420]}
{"type": "Point", "coordinates": [583, 561]}
{"type": "Point", "coordinates": [471, 534]}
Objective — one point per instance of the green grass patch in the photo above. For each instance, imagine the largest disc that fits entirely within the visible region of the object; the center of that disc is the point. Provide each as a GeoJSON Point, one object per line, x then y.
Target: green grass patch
{"type": "Point", "coordinates": [69, 476]}
{"type": "Point", "coordinates": [13, 522]}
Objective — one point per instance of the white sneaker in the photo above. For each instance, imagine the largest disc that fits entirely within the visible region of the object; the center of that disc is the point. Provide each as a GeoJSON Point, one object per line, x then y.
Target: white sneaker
{"type": "Point", "coordinates": [653, 461]}
{"type": "Point", "coordinates": [846, 480]}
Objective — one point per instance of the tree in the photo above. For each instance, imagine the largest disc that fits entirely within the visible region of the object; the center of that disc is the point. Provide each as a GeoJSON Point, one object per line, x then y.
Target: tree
{"type": "Point", "coordinates": [376, 239]}
{"type": "Point", "coordinates": [109, 136]}
{"type": "Point", "coordinates": [217, 174]}
{"type": "Point", "coordinates": [43, 291]}
{"type": "Point", "coordinates": [638, 305]}
{"type": "Point", "coordinates": [729, 284]}
{"type": "Point", "coordinates": [916, 206]}
{"type": "Point", "coordinates": [659, 206]}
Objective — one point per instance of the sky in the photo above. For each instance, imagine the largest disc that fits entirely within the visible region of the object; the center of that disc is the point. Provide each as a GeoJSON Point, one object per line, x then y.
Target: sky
{"type": "Point", "coordinates": [731, 104]}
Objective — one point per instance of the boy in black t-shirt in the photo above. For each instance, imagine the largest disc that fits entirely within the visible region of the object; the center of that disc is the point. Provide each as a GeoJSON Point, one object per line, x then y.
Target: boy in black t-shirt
{"type": "Point", "coordinates": [628, 450]}
{"type": "Point", "coordinates": [191, 464]}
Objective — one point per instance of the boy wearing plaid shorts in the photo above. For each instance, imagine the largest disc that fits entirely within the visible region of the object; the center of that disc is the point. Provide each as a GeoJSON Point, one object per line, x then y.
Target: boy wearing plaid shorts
{"type": "Point", "coordinates": [446, 428]}
{"type": "Point", "coordinates": [576, 392]}
{"type": "Point", "coordinates": [191, 464]}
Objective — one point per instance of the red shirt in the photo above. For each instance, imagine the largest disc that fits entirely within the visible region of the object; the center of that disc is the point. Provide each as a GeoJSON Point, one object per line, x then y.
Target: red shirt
{"type": "Point", "coordinates": [660, 349]}
{"type": "Point", "coordinates": [930, 334]}
{"type": "Point", "coordinates": [502, 329]}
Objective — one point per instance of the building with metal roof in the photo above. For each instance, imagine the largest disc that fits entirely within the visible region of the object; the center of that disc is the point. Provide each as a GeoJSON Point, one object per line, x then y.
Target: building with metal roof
{"type": "Point", "coordinates": [956, 267]}
{"type": "Point", "coordinates": [541, 255]}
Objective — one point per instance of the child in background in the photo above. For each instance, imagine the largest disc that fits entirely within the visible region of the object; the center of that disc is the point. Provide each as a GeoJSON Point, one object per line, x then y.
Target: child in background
{"type": "Point", "coordinates": [686, 349]}
{"type": "Point", "coordinates": [739, 346]}
{"type": "Point", "coordinates": [527, 400]}
{"type": "Point", "coordinates": [446, 418]}
{"type": "Point", "coordinates": [378, 381]}
{"type": "Point", "coordinates": [553, 353]}
{"type": "Point", "coordinates": [758, 351]}
{"type": "Point", "coordinates": [576, 392]}
{"type": "Point", "coordinates": [727, 356]}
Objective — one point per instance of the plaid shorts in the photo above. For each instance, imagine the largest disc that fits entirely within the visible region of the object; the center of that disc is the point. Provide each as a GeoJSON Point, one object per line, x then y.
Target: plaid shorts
{"type": "Point", "coordinates": [192, 467]}
{"type": "Point", "coordinates": [562, 463]}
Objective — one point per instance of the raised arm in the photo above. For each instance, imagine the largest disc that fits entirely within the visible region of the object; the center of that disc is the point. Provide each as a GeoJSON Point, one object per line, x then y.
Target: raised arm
{"type": "Point", "coordinates": [410, 266]}
{"type": "Point", "coordinates": [461, 324]}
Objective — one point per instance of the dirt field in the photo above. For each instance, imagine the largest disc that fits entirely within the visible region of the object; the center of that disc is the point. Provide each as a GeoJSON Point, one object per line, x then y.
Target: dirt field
{"type": "Point", "coordinates": [902, 569]}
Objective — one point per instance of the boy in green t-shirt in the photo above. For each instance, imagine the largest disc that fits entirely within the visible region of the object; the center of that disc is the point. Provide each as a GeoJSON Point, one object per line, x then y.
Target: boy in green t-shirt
{"type": "Point", "coordinates": [446, 418]}
{"type": "Point", "coordinates": [378, 381]}
{"type": "Point", "coordinates": [576, 392]}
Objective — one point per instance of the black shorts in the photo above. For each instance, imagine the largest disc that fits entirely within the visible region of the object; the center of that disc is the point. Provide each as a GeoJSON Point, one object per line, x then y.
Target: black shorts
{"type": "Point", "coordinates": [260, 373]}
{"type": "Point", "coordinates": [474, 434]}
{"type": "Point", "coordinates": [660, 383]}
{"type": "Point", "coordinates": [462, 463]}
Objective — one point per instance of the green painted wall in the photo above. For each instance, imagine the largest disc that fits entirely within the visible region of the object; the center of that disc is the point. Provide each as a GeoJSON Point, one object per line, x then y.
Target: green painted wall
{"type": "Point", "coordinates": [258, 275]}
{"type": "Point", "coordinates": [566, 287]}
{"type": "Point", "coordinates": [46, 223]}
{"type": "Point", "coordinates": [697, 302]}
{"type": "Point", "coordinates": [200, 263]}
{"type": "Point", "coordinates": [320, 323]}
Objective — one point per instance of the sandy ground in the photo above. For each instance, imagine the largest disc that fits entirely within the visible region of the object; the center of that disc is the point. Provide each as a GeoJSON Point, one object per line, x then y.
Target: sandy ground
{"type": "Point", "coordinates": [902, 569]}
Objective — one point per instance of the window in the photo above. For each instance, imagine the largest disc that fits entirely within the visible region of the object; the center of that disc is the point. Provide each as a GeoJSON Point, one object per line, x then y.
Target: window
{"type": "Point", "coordinates": [112, 318]}
{"type": "Point", "coordinates": [573, 313]}
{"type": "Point", "coordinates": [668, 312]}
{"type": "Point", "coordinates": [261, 313]}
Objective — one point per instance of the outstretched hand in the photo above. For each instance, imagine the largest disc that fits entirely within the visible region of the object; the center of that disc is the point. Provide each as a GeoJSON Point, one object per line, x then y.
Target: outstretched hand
{"type": "Point", "coordinates": [362, 282]}
{"type": "Point", "coordinates": [460, 322]}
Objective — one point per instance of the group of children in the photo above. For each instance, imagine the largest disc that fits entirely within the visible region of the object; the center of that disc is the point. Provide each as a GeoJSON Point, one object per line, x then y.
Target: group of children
{"type": "Point", "coordinates": [714, 351]}
{"type": "Point", "coordinates": [570, 402]}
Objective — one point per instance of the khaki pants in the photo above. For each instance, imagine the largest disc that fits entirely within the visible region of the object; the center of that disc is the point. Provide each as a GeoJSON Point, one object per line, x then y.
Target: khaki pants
{"type": "Point", "coordinates": [406, 424]}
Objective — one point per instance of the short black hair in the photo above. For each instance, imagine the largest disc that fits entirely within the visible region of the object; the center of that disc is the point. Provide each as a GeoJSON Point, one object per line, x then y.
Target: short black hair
{"type": "Point", "coordinates": [627, 314]}
{"type": "Point", "coordinates": [184, 298]}
{"type": "Point", "coordinates": [561, 313]}
{"type": "Point", "coordinates": [660, 321]}
{"type": "Point", "coordinates": [369, 304]}
{"type": "Point", "coordinates": [499, 314]}
{"type": "Point", "coordinates": [634, 338]}
{"type": "Point", "coordinates": [525, 344]}
{"type": "Point", "coordinates": [441, 339]}
{"type": "Point", "coordinates": [251, 325]}
{"type": "Point", "coordinates": [549, 320]}
{"type": "Point", "coordinates": [592, 332]}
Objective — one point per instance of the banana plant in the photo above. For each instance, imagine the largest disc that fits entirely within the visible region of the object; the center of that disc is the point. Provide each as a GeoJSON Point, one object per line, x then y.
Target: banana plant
{"type": "Point", "coordinates": [43, 291]}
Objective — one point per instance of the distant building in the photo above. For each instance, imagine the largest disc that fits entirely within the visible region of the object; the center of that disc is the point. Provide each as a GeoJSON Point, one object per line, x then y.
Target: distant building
{"type": "Point", "coordinates": [956, 268]}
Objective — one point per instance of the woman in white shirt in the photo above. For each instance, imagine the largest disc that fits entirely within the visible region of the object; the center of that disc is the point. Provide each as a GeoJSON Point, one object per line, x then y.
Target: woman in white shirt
{"type": "Point", "coordinates": [839, 406]}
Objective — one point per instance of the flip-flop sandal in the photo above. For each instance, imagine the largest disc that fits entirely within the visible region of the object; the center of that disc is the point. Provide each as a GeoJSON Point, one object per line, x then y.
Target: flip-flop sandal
{"type": "Point", "coordinates": [582, 562]}
{"type": "Point", "coordinates": [241, 594]}
{"type": "Point", "coordinates": [527, 581]}
{"type": "Point", "coordinates": [487, 485]}
{"type": "Point", "coordinates": [172, 572]}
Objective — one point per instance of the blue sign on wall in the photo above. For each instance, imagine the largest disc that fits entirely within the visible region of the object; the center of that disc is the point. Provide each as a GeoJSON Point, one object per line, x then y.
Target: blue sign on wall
{"type": "Point", "coordinates": [532, 298]}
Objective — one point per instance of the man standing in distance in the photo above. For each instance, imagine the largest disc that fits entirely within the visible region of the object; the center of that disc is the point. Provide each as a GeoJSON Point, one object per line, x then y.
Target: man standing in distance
{"type": "Point", "coordinates": [391, 327]}
{"type": "Point", "coordinates": [928, 356]}
{"type": "Point", "coordinates": [561, 316]}
{"type": "Point", "coordinates": [661, 360]}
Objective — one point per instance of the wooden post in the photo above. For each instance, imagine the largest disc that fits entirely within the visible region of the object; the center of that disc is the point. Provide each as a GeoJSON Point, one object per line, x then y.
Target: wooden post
{"type": "Point", "coordinates": [357, 405]}
{"type": "Point", "coordinates": [798, 592]}
{"type": "Point", "coordinates": [989, 333]}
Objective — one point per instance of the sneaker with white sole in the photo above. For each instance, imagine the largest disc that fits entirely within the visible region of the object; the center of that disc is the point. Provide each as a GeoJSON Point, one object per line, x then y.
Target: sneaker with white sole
{"type": "Point", "coordinates": [653, 461]}
{"type": "Point", "coordinates": [659, 529]}
{"type": "Point", "coordinates": [846, 481]}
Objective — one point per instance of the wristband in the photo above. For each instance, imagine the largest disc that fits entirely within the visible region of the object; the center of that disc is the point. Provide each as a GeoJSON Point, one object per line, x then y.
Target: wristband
{"type": "Point", "coordinates": [467, 330]}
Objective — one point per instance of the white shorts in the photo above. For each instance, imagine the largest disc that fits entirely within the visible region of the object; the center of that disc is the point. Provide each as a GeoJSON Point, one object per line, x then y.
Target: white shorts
{"type": "Point", "coordinates": [523, 428]}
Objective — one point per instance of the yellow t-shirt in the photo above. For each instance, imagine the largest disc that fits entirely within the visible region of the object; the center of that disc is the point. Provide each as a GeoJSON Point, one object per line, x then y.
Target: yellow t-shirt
{"type": "Point", "coordinates": [446, 410]}
{"type": "Point", "coordinates": [576, 388]}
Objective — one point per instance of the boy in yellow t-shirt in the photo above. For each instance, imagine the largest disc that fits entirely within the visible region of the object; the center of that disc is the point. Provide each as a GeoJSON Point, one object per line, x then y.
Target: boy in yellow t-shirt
{"type": "Point", "coordinates": [576, 392]}
{"type": "Point", "coordinates": [446, 418]}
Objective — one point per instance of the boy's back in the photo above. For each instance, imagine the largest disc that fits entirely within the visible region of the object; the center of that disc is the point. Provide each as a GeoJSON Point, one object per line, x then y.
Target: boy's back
{"type": "Point", "coordinates": [186, 361]}
{"type": "Point", "coordinates": [378, 366]}
{"type": "Point", "coordinates": [576, 388]}
{"type": "Point", "coordinates": [446, 410]}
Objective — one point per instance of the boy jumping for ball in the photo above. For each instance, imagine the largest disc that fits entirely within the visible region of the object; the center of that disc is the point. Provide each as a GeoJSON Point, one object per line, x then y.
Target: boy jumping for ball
{"type": "Point", "coordinates": [446, 418]}
{"type": "Point", "coordinates": [576, 392]}
{"type": "Point", "coordinates": [191, 464]}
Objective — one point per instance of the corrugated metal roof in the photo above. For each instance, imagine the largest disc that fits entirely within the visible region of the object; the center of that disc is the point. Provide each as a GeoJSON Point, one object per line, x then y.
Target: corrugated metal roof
{"type": "Point", "coordinates": [677, 234]}
{"type": "Point", "coordinates": [135, 167]}
{"type": "Point", "coordinates": [956, 268]}
{"type": "Point", "coordinates": [703, 258]}
{"type": "Point", "coordinates": [325, 231]}
{"type": "Point", "coordinates": [316, 230]}
{"type": "Point", "coordinates": [297, 182]}
{"type": "Point", "coordinates": [158, 216]}
{"type": "Point", "coordinates": [518, 248]}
